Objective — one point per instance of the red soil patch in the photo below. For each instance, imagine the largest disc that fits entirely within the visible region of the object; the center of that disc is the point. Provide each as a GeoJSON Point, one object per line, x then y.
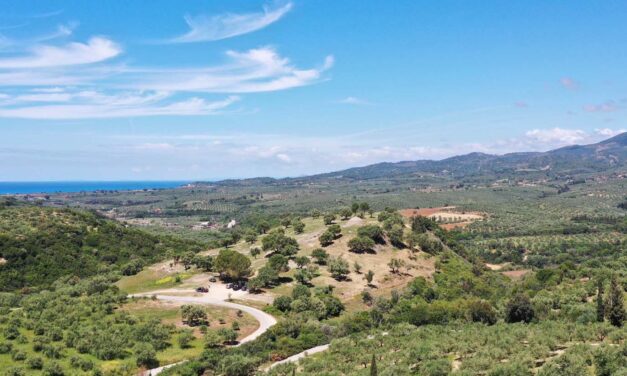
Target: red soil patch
{"type": "Point", "coordinates": [450, 226]}
{"type": "Point", "coordinates": [424, 211]}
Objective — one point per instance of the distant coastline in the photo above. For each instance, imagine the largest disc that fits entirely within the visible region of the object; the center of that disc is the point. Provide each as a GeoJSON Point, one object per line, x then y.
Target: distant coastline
{"type": "Point", "coordinates": [51, 187]}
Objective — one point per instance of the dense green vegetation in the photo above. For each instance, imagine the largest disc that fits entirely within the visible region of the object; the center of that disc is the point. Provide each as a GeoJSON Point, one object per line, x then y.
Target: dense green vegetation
{"type": "Point", "coordinates": [39, 245]}
{"type": "Point", "coordinates": [549, 348]}
{"type": "Point", "coordinates": [76, 328]}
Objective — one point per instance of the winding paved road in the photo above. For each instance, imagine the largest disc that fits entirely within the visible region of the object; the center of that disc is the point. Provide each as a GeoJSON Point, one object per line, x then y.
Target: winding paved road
{"type": "Point", "coordinates": [265, 320]}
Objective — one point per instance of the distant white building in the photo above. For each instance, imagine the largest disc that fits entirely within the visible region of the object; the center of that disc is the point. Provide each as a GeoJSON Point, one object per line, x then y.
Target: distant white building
{"type": "Point", "coordinates": [231, 224]}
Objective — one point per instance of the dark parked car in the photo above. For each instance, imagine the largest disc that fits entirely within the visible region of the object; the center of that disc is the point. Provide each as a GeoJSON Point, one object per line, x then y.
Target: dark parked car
{"type": "Point", "coordinates": [202, 289]}
{"type": "Point", "coordinates": [213, 279]}
{"type": "Point", "coordinates": [236, 287]}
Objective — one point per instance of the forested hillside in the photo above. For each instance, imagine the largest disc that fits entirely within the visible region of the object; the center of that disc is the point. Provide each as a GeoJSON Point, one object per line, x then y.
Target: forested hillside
{"type": "Point", "coordinates": [38, 245]}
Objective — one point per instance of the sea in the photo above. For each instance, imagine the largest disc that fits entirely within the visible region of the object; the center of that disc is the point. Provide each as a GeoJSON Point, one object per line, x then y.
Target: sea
{"type": "Point", "coordinates": [83, 186]}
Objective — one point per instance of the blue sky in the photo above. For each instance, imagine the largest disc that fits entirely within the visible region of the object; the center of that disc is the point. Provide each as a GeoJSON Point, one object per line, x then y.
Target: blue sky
{"type": "Point", "coordinates": [166, 90]}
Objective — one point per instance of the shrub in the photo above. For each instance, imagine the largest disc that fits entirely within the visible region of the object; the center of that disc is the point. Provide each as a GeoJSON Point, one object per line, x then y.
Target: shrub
{"type": "Point", "coordinates": [326, 238]}
{"type": "Point", "coordinates": [35, 362]}
{"type": "Point", "coordinates": [373, 232]}
{"type": "Point", "coordinates": [184, 338]}
{"type": "Point", "coordinates": [5, 347]}
{"type": "Point", "coordinates": [519, 309]}
{"type": "Point", "coordinates": [282, 303]}
{"type": "Point", "coordinates": [482, 311]}
{"type": "Point", "coordinates": [53, 369]}
{"type": "Point", "coordinates": [320, 255]}
{"type": "Point", "coordinates": [18, 356]}
{"type": "Point", "coordinates": [361, 244]}
{"type": "Point", "coordinates": [145, 355]}
{"type": "Point", "coordinates": [300, 291]}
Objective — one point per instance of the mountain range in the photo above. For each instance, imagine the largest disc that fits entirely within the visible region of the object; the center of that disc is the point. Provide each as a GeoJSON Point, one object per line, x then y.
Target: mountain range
{"type": "Point", "coordinates": [570, 161]}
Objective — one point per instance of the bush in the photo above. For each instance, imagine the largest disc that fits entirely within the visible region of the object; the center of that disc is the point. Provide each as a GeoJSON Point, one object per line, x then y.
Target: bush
{"type": "Point", "coordinates": [53, 369]}
{"type": "Point", "coordinates": [184, 338]}
{"type": "Point", "coordinates": [145, 355]}
{"type": "Point", "coordinates": [326, 238]}
{"type": "Point", "coordinates": [212, 340]}
{"type": "Point", "coordinates": [35, 362]}
{"type": "Point", "coordinates": [14, 371]}
{"type": "Point", "coordinates": [320, 255]}
{"type": "Point", "coordinates": [193, 315]}
{"type": "Point", "coordinates": [5, 347]}
{"type": "Point", "coordinates": [282, 303]}
{"type": "Point", "coordinates": [238, 365]}
{"type": "Point", "coordinates": [361, 244]}
{"type": "Point", "coordinates": [300, 291]}
{"type": "Point", "coordinates": [482, 311]}
{"type": "Point", "coordinates": [519, 309]}
{"type": "Point", "coordinates": [373, 232]}
{"type": "Point", "coordinates": [18, 356]}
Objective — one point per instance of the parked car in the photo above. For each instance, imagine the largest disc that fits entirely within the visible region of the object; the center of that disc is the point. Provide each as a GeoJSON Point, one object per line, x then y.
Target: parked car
{"type": "Point", "coordinates": [213, 279]}
{"type": "Point", "coordinates": [236, 287]}
{"type": "Point", "coordinates": [244, 287]}
{"type": "Point", "coordinates": [229, 286]}
{"type": "Point", "coordinates": [202, 289]}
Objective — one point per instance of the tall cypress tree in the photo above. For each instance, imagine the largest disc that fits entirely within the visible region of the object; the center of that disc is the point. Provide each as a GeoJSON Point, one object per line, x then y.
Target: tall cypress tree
{"type": "Point", "coordinates": [600, 302]}
{"type": "Point", "coordinates": [616, 304]}
{"type": "Point", "coordinates": [373, 366]}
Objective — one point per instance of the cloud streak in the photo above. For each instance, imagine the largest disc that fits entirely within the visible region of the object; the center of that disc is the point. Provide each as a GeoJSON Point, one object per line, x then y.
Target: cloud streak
{"type": "Point", "coordinates": [46, 77]}
{"type": "Point", "coordinates": [253, 71]}
{"type": "Point", "coordinates": [97, 49]}
{"type": "Point", "coordinates": [556, 136]}
{"type": "Point", "coordinates": [95, 105]}
{"type": "Point", "coordinates": [354, 101]}
{"type": "Point", "coordinates": [205, 28]}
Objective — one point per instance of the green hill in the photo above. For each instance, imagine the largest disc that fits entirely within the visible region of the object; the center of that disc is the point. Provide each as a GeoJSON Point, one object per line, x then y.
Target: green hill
{"type": "Point", "coordinates": [38, 245]}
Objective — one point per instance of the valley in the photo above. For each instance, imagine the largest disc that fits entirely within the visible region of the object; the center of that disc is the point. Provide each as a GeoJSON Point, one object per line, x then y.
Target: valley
{"type": "Point", "coordinates": [254, 277]}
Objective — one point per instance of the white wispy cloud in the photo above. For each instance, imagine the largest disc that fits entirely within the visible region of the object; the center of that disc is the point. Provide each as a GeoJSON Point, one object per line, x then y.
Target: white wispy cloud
{"type": "Point", "coordinates": [94, 105]}
{"type": "Point", "coordinates": [42, 97]}
{"type": "Point", "coordinates": [204, 28]}
{"type": "Point", "coordinates": [556, 135]}
{"type": "Point", "coordinates": [354, 101]}
{"type": "Point", "coordinates": [8, 44]}
{"type": "Point", "coordinates": [278, 154]}
{"type": "Point", "coordinates": [97, 49]}
{"type": "Point", "coordinates": [62, 31]}
{"type": "Point", "coordinates": [255, 70]}
{"type": "Point", "coordinates": [241, 154]}
{"type": "Point", "coordinates": [608, 132]}
{"type": "Point", "coordinates": [64, 92]}
{"type": "Point", "coordinates": [45, 77]}
{"type": "Point", "coordinates": [49, 14]}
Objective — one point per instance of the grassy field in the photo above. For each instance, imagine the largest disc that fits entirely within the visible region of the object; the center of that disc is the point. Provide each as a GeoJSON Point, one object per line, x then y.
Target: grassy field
{"type": "Point", "coordinates": [156, 277]}
{"type": "Point", "coordinates": [170, 313]}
